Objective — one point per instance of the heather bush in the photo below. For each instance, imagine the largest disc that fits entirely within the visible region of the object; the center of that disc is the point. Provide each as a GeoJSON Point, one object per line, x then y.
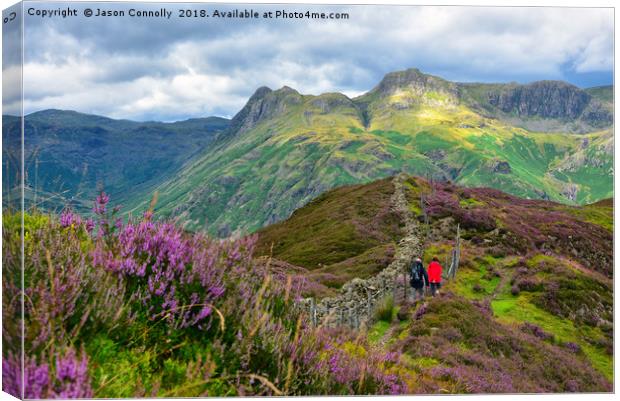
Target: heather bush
{"type": "Point", "coordinates": [536, 331]}
{"type": "Point", "coordinates": [11, 283]}
{"type": "Point", "coordinates": [65, 294]}
{"type": "Point", "coordinates": [573, 347]}
{"type": "Point", "coordinates": [420, 311]}
{"type": "Point", "coordinates": [539, 225]}
{"type": "Point", "coordinates": [486, 356]}
{"type": "Point", "coordinates": [64, 375]}
{"type": "Point", "coordinates": [213, 293]}
{"type": "Point", "coordinates": [528, 284]}
{"type": "Point", "coordinates": [476, 219]}
{"type": "Point", "coordinates": [580, 298]}
{"type": "Point", "coordinates": [65, 300]}
{"type": "Point", "coordinates": [441, 203]}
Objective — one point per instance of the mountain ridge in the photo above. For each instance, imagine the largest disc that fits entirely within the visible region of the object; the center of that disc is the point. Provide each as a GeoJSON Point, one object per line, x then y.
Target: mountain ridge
{"type": "Point", "coordinates": [503, 99]}
{"type": "Point", "coordinates": [69, 156]}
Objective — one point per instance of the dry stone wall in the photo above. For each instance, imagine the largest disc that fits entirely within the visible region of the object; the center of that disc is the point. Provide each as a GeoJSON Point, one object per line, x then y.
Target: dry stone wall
{"type": "Point", "coordinates": [357, 299]}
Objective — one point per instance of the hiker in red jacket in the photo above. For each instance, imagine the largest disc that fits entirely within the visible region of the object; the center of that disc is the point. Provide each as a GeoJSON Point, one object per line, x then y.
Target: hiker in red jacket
{"type": "Point", "coordinates": [434, 275]}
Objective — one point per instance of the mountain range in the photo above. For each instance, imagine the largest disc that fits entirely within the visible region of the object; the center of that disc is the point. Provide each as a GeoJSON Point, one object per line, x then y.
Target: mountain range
{"type": "Point", "coordinates": [547, 139]}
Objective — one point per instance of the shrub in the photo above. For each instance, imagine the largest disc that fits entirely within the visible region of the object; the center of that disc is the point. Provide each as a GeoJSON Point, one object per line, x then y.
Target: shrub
{"type": "Point", "coordinates": [65, 295]}
{"type": "Point", "coordinates": [572, 347]}
{"type": "Point", "coordinates": [531, 285]}
{"type": "Point", "coordinates": [476, 219]}
{"type": "Point", "coordinates": [385, 309]}
{"type": "Point", "coordinates": [490, 356]}
{"type": "Point", "coordinates": [420, 311]}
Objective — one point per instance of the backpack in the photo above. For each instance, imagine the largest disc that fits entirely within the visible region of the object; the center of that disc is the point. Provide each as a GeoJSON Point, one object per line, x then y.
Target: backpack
{"type": "Point", "coordinates": [415, 272]}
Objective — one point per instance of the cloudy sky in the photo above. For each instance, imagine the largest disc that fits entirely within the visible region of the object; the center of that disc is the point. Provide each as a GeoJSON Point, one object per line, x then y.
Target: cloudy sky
{"type": "Point", "coordinates": [158, 69]}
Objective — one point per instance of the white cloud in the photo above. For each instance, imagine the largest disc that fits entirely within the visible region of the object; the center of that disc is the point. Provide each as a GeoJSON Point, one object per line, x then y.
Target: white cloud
{"type": "Point", "coordinates": [11, 90]}
{"type": "Point", "coordinates": [135, 71]}
{"type": "Point", "coordinates": [595, 56]}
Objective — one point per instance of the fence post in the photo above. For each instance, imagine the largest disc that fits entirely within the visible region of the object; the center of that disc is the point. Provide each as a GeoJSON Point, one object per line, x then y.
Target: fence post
{"type": "Point", "coordinates": [457, 250]}
{"type": "Point", "coordinates": [313, 312]}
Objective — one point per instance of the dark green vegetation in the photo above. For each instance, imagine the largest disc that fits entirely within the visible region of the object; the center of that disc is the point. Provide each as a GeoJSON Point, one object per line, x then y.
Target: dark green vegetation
{"type": "Point", "coordinates": [69, 155]}
{"type": "Point", "coordinates": [605, 94]}
{"type": "Point", "coordinates": [546, 140]}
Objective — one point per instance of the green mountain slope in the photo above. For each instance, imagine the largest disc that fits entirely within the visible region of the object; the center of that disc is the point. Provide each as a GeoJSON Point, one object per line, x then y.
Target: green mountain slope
{"type": "Point", "coordinates": [604, 94]}
{"type": "Point", "coordinates": [284, 148]}
{"type": "Point", "coordinates": [70, 155]}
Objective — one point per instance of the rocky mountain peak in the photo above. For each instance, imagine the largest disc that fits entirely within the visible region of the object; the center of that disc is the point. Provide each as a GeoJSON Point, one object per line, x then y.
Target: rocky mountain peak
{"type": "Point", "coordinates": [264, 104]}
{"type": "Point", "coordinates": [329, 102]}
{"type": "Point", "coordinates": [286, 90]}
{"type": "Point", "coordinates": [260, 93]}
{"type": "Point", "coordinates": [412, 78]}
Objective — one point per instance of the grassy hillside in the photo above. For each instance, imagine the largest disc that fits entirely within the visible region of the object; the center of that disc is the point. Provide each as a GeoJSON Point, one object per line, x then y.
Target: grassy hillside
{"type": "Point", "coordinates": [539, 267]}
{"type": "Point", "coordinates": [530, 309]}
{"type": "Point", "coordinates": [344, 233]}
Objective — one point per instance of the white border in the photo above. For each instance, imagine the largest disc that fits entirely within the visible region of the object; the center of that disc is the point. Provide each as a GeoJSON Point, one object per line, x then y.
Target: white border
{"type": "Point", "coordinates": [553, 3]}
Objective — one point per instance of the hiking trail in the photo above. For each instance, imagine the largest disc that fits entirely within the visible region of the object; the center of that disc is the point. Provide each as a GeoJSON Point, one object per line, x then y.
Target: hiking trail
{"type": "Point", "coordinates": [356, 301]}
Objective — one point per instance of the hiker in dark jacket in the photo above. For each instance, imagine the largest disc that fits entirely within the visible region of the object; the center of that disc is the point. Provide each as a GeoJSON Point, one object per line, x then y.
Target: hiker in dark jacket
{"type": "Point", "coordinates": [419, 279]}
